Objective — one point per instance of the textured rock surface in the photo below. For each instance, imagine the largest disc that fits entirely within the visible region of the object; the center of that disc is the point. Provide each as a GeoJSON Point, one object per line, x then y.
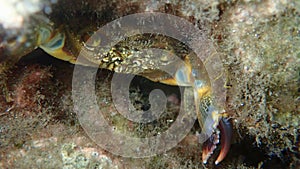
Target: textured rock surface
{"type": "Point", "coordinates": [259, 43]}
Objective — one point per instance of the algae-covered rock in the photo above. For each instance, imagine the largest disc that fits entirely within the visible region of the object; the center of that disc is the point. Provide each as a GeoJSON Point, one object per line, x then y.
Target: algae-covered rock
{"type": "Point", "coordinates": [74, 157]}
{"type": "Point", "coordinates": [261, 45]}
{"type": "Point", "coordinates": [259, 42]}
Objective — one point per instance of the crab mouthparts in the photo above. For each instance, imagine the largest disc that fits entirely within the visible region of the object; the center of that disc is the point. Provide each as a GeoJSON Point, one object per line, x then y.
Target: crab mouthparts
{"type": "Point", "coordinates": [225, 131]}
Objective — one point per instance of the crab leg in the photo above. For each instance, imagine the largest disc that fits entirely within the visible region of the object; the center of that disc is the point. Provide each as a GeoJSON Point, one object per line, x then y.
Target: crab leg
{"type": "Point", "coordinates": [215, 124]}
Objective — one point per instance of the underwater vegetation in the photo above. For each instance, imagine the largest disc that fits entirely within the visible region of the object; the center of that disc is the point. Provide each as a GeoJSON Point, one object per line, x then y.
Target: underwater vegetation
{"type": "Point", "coordinates": [258, 42]}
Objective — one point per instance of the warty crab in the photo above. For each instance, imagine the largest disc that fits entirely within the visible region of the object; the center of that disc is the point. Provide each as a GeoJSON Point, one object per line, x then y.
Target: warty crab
{"type": "Point", "coordinates": [63, 33]}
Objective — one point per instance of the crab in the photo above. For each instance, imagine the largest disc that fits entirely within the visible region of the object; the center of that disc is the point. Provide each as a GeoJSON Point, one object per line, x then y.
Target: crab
{"type": "Point", "coordinates": [66, 38]}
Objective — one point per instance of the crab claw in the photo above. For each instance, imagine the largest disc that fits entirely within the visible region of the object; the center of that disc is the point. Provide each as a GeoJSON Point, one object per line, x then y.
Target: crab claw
{"type": "Point", "coordinates": [215, 123]}
{"type": "Point", "coordinates": [225, 130]}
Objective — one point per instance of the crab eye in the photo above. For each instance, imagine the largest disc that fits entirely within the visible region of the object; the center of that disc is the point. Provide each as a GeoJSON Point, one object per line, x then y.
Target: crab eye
{"type": "Point", "coordinates": [182, 76]}
{"type": "Point", "coordinates": [44, 34]}
{"type": "Point", "coordinates": [55, 43]}
{"type": "Point", "coordinates": [194, 73]}
{"type": "Point", "coordinates": [198, 84]}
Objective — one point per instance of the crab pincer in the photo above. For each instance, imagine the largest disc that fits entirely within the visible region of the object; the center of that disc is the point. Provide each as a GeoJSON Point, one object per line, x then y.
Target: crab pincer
{"type": "Point", "coordinates": [223, 130]}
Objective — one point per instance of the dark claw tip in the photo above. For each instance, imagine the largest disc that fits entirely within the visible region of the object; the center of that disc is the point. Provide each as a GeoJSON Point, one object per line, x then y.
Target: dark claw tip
{"type": "Point", "coordinates": [226, 135]}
